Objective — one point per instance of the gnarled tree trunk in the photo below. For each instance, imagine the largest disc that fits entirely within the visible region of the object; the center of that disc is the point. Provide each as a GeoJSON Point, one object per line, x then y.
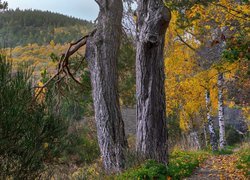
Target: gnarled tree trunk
{"type": "Point", "coordinates": [213, 138]}
{"type": "Point", "coordinates": [153, 20]}
{"type": "Point", "coordinates": [221, 111]}
{"type": "Point", "coordinates": [101, 54]}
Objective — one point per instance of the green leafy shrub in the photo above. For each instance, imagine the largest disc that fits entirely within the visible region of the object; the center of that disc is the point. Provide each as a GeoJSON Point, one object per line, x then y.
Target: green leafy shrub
{"type": "Point", "coordinates": [31, 135]}
{"type": "Point", "coordinates": [232, 136]}
{"type": "Point", "coordinates": [181, 164]}
{"type": "Point", "coordinates": [226, 151]}
{"type": "Point", "coordinates": [149, 170]}
{"type": "Point", "coordinates": [82, 145]}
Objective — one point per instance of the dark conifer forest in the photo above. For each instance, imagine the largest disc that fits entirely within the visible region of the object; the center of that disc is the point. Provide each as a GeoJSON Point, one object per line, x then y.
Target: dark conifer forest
{"type": "Point", "coordinates": [23, 27]}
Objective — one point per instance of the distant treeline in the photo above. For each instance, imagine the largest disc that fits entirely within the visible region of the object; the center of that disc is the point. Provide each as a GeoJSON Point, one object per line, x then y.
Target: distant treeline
{"type": "Point", "coordinates": [21, 27]}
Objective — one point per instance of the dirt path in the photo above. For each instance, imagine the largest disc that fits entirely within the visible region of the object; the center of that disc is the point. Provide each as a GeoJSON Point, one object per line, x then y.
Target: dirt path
{"type": "Point", "coordinates": [221, 167]}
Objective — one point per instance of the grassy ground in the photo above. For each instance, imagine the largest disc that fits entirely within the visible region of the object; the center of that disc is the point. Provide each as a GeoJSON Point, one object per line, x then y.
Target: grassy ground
{"type": "Point", "coordinates": [233, 162]}
{"type": "Point", "coordinates": [226, 164]}
{"type": "Point", "coordinates": [243, 162]}
{"type": "Point", "coordinates": [181, 165]}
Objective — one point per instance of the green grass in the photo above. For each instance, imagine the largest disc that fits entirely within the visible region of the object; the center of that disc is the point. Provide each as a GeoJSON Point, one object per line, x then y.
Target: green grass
{"type": "Point", "coordinates": [181, 164]}
{"type": "Point", "coordinates": [149, 170]}
{"type": "Point", "coordinates": [226, 151]}
{"type": "Point", "coordinates": [244, 159]}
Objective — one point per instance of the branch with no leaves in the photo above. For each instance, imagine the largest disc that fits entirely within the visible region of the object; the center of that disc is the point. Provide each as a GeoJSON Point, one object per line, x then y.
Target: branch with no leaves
{"type": "Point", "coordinates": [64, 62]}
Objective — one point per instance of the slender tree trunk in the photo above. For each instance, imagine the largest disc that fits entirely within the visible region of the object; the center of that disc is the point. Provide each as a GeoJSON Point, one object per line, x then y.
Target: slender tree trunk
{"type": "Point", "coordinates": [153, 20]}
{"type": "Point", "coordinates": [213, 138]}
{"type": "Point", "coordinates": [221, 111]}
{"type": "Point", "coordinates": [101, 54]}
{"type": "Point", "coordinates": [193, 140]}
{"type": "Point", "coordinates": [205, 134]}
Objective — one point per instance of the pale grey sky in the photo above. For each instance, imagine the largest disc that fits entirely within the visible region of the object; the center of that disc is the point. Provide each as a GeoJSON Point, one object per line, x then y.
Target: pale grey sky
{"type": "Point", "coordinates": [84, 9]}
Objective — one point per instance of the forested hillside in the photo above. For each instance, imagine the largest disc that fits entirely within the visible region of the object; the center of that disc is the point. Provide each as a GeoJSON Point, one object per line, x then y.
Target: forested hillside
{"type": "Point", "coordinates": [21, 27]}
{"type": "Point", "coordinates": [31, 36]}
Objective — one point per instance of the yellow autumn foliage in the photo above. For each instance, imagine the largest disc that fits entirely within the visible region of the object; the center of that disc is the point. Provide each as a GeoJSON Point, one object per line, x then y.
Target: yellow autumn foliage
{"type": "Point", "coordinates": [185, 81]}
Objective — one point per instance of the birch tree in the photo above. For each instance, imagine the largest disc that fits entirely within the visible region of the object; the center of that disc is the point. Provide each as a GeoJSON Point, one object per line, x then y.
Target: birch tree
{"type": "Point", "coordinates": [213, 138]}
{"type": "Point", "coordinates": [221, 111]}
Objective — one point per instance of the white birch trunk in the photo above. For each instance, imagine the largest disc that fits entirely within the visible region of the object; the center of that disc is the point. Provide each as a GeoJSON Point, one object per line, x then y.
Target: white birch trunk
{"type": "Point", "coordinates": [221, 111]}
{"type": "Point", "coordinates": [213, 138]}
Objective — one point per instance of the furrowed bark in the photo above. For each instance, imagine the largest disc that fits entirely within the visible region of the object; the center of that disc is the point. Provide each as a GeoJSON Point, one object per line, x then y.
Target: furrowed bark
{"type": "Point", "coordinates": [213, 138]}
{"type": "Point", "coordinates": [153, 20]}
{"type": "Point", "coordinates": [101, 54]}
{"type": "Point", "coordinates": [221, 111]}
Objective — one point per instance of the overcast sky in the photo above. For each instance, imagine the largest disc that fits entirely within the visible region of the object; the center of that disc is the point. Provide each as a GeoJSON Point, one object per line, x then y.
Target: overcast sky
{"type": "Point", "coordinates": [84, 9]}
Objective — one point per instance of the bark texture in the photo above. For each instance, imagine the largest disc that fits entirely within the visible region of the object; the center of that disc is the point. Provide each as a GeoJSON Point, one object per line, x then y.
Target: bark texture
{"type": "Point", "coordinates": [221, 111]}
{"type": "Point", "coordinates": [213, 138]}
{"type": "Point", "coordinates": [205, 142]}
{"type": "Point", "coordinates": [153, 20]}
{"type": "Point", "coordinates": [101, 54]}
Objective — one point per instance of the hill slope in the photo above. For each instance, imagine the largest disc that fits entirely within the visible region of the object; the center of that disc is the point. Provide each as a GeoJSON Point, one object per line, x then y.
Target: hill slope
{"type": "Point", "coordinates": [18, 28]}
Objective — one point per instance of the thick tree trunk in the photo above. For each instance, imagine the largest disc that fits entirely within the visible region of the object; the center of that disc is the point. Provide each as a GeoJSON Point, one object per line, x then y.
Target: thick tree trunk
{"type": "Point", "coordinates": [221, 111]}
{"type": "Point", "coordinates": [213, 138]}
{"type": "Point", "coordinates": [101, 54]}
{"type": "Point", "coordinates": [153, 20]}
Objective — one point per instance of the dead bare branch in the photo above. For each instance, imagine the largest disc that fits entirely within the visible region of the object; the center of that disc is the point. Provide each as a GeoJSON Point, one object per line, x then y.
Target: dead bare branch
{"type": "Point", "coordinates": [64, 62]}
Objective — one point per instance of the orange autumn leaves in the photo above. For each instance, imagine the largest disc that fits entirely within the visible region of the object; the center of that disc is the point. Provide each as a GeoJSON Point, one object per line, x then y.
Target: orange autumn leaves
{"type": "Point", "coordinates": [222, 167]}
